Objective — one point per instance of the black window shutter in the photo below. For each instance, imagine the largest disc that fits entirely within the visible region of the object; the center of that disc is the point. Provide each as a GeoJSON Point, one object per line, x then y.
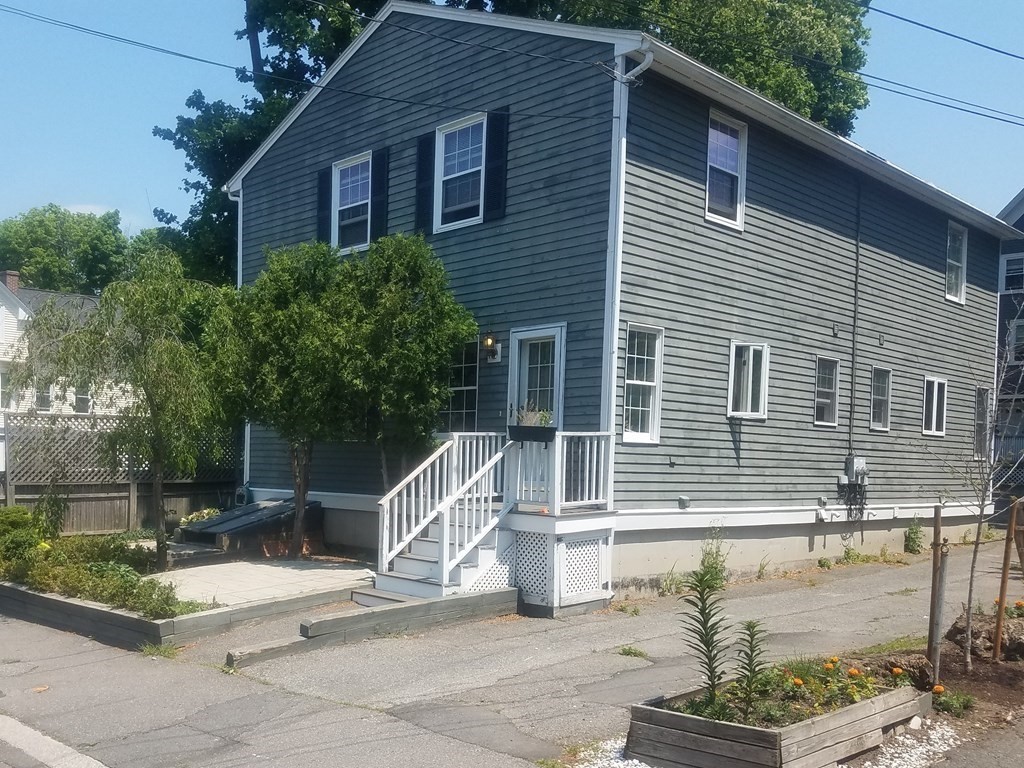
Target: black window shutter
{"type": "Point", "coordinates": [324, 190]}
{"type": "Point", "coordinates": [425, 183]}
{"type": "Point", "coordinates": [495, 176]}
{"type": "Point", "coordinates": [379, 193]}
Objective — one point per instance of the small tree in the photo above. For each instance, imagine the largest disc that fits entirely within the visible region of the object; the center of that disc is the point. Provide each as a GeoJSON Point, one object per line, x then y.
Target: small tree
{"type": "Point", "coordinates": [285, 352]}
{"type": "Point", "coordinates": [140, 349]}
{"type": "Point", "coordinates": [410, 328]}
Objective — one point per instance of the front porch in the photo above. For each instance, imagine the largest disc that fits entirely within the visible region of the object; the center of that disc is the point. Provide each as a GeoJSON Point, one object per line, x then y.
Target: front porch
{"type": "Point", "coordinates": [484, 511]}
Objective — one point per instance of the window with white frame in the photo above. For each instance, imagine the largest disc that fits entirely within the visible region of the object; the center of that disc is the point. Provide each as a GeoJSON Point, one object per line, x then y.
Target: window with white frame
{"type": "Point", "coordinates": [641, 417]}
{"type": "Point", "coordinates": [727, 163]}
{"type": "Point", "coordinates": [5, 390]}
{"type": "Point", "coordinates": [44, 399]}
{"type": "Point", "coordinates": [460, 415]}
{"type": "Point", "coordinates": [956, 262]}
{"type": "Point", "coordinates": [459, 173]}
{"type": "Point", "coordinates": [748, 380]}
{"type": "Point", "coordinates": [826, 392]}
{"type": "Point", "coordinates": [933, 417]}
{"type": "Point", "coordinates": [1012, 278]}
{"type": "Point", "coordinates": [352, 202]}
{"type": "Point", "coordinates": [881, 396]}
{"type": "Point", "coordinates": [982, 419]}
{"type": "Point", "coordinates": [1015, 341]}
{"type": "Point", "coordinates": [83, 399]}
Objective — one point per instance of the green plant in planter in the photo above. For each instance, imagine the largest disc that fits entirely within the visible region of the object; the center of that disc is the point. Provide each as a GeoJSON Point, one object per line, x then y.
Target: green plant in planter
{"type": "Point", "coordinates": [529, 416]}
{"type": "Point", "coordinates": [750, 666]}
{"type": "Point", "coordinates": [706, 630]}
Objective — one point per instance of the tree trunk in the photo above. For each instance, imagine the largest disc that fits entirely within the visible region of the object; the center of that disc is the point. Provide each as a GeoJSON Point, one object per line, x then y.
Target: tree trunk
{"type": "Point", "coordinates": [302, 455]}
{"type": "Point", "coordinates": [969, 612]}
{"type": "Point", "coordinates": [161, 514]}
{"type": "Point", "coordinates": [252, 34]}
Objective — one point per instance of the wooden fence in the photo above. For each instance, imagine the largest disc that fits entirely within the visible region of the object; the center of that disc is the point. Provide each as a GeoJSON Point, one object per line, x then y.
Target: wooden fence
{"type": "Point", "coordinates": [68, 452]}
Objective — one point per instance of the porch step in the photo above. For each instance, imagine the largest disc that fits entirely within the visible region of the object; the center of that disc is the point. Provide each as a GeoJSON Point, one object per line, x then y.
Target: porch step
{"type": "Point", "coordinates": [414, 586]}
{"type": "Point", "coordinates": [370, 597]}
{"type": "Point", "coordinates": [425, 566]}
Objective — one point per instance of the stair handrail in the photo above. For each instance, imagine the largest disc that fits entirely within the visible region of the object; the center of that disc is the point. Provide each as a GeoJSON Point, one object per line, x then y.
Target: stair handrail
{"type": "Point", "coordinates": [443, 538]}
{"type": "Point", "coordinates": [386, 550]}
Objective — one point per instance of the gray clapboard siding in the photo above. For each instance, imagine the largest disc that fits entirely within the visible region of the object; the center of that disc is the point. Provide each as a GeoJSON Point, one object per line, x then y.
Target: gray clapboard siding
{"type": "Point", "coordinates": [544, 262]}
{"type": "Point", "coordinates": [786, 280]}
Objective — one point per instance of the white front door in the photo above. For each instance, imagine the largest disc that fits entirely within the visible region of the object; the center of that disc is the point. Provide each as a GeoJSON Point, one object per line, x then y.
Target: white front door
{"type": "Point", "coordinates": [536, 374]}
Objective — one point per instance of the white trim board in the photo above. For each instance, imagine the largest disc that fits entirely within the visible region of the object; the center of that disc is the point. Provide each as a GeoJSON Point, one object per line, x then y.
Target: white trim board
{"type": "Point", "coordinates": [1014, 209]}
{"type": "Point", "coordinates": [360, 502]}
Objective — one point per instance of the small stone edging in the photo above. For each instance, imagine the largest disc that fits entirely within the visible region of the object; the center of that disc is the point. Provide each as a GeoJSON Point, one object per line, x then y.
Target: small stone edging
{"type": "Point", "coordinates": [364, 623]}
{"type": "Point", "coordinates": [125, 629]}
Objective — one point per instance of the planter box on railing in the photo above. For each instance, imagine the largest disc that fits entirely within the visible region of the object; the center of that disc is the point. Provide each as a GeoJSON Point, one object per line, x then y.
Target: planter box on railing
{"type": "Point", "coordinates": [667, 739]}
{"type": "Point", "coordinates": [531, 434]}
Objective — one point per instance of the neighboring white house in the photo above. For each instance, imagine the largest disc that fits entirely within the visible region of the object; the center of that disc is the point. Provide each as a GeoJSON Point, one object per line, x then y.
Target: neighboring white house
{"type": "Point", "coordinates": [17, 305]}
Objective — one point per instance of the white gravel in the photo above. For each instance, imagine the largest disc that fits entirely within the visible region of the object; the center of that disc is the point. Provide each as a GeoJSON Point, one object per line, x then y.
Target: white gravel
{"type": "Point", "coordinates": [911, 749]}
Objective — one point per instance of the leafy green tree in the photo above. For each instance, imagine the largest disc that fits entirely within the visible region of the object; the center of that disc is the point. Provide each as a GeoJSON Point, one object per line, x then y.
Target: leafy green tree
{"type": "Point", "coordinates": [55, 249]}
{"type": "Point", "coordinates": [285, 355]}
{"type": "Point", "coordinates": [411, 327]}
{"type": "Point", "coordinates": [141, 344]}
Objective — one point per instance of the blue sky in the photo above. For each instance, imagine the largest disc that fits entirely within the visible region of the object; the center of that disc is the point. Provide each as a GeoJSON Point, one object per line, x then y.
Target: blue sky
{"type": "Point", "coordinates": [77, 128]}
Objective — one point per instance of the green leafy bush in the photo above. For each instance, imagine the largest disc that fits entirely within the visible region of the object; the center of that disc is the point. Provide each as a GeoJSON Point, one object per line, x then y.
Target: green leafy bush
{"type": "Point", "coordinates": [18, 545]}
{"type": "Point", "coordinates": [49, 513]}
{"type": "Point", "coordinates": [913, 537]}
{"type": "Point", "coordinates": [14, 519]}
{"type": "Point", "coordinates": [103, 549]}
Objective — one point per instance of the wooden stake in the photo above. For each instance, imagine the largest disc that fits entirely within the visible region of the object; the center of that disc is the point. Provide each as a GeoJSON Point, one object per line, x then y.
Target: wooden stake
{"type": "Point", "coordinates": [934, 607]}
{"type": "Point", "coordinates": [997, 641]}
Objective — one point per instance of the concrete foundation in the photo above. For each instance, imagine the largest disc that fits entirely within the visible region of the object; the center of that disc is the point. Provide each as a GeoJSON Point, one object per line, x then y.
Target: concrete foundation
{"type": "Point", "coordinates": [355, 528]}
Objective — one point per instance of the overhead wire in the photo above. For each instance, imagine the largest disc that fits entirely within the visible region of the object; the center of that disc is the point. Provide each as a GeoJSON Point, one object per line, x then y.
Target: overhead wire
{"type": "Point", "coordinates": [947, 33]}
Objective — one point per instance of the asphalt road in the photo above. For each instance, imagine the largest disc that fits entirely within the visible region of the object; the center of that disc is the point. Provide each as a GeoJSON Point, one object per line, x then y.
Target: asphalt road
{"type": "Point", "coordinates": [493, 693]}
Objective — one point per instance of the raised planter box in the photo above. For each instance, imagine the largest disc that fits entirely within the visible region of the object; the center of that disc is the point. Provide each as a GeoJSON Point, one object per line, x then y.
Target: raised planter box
{"type": "Point", "coordinates": [667, 739]}
{"type": "Point", "coordinates": [531, 434]}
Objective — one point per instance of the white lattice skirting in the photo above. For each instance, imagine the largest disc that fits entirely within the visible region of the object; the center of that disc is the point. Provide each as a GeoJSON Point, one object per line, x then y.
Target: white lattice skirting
{"type": "Point", "coordinates": [501, 574]}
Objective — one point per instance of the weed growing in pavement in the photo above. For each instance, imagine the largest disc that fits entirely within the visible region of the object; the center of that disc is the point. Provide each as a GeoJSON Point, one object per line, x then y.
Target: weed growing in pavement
{"type": "Point", "coordinates": [762, 568]}
{"type": "Point", "coordinates": [824, 563]}
{"type": "Point", "coordinates": [633, 651]}
{"type": "Point", "coordinates": [630, 609]}
{"type": "Point", "coordinates": [158, 649]}
{"type": "Point", "coordinates": [903, 592]}
{"type": "Point", "coordinates": [913, 537]}
{"type": "Point", "coordinates": [951, 702]}
{"type": "Point", "coordinates": [672, 583]}
{"type": "Point", "coordinates": [713, 556]}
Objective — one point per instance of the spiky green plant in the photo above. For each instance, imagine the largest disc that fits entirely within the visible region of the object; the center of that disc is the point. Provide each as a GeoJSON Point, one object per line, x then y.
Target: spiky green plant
{"type": "Point", "coordinates": [750, 666]}
{"type": "Point", "coordinates": [705, 627]}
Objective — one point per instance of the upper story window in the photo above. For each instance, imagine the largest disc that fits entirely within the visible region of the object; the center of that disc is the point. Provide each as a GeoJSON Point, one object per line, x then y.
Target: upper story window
{"type": "Point", "coordinates": [881, 397]}
{"type": "Point", "coordinates": [1012, 274]}
{"type": "Point", "coordinates": [459, 173]}
{"type": "Point", "coordinates": [956, 263]}
{"type": "Point", "coordinates": [727, 170]}
{"type": "Point", "coordinates": [982, 419]}
{"type": "Point", "coordinates": [826, 393]}
{"type": "Point", "coordinates": [748, 380]}
{"type": "Point", "coordinates": [44, 399]}
{"type": "Point", "coordinates": [83, 399]}
{"type": "Point", "coordinates": [1015, 341]}
{"type": "Point", "coordinates": [641, 417]}
{"type": "Point", "coordinates": [351, 208]}
{"type": "Point", "coordinates": [5, 391]}
{"type": "Point", "coordinates": [933, 418]}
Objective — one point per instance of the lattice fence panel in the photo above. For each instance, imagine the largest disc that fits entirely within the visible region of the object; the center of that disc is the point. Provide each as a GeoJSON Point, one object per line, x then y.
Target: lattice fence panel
{"type": "Point", "coordinates": [582, 570]}
{"type": "Point", "coordinates": [501, 574]}
{"type": "Point", "coordinates": [532, 568]}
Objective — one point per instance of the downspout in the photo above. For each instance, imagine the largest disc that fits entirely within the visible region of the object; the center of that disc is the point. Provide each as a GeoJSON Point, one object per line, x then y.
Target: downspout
{"type": "Point", "coordinates": [613, 275]}
{"type": "Point", "coordinates": [856, 323]}
{"type": "Point", "coordinates": [236, 197]}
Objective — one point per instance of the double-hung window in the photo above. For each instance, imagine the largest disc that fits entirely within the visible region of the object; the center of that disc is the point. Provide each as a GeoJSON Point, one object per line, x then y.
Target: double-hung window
{"type": "Point", "coordinates": [44, 399]}
{"type": "Point", "coordinates": [826, 392]}
{"type": "Point", "coordinates": [83, 399]}
{"type": "Point", "coordinates": [459, 173]}
{"type": "Point", "coordinates": [1012, 274]}
{"type": "Point", "coordinates": [641, 415]}
{"type": "Point", "coordinates": [748, 380]}
{"type": "Point", "coordinates": [1015, 341]}
{"type": "Point", "coordinates": [982, 419]}
{"type": "Point", "coordinates": [881, 396]}
{"type": "Point", "coordinates": [352, 202]}
{"type": "Point", "coordinates": [727, 170]}
{"type": "Point", "coordinates": [460, 416]}
{"type": "Point", "coordinates": [5, 390]}
{"type": "Point", "coordinates": [956, 263]}
{"type": "Point", "coordinates": [933, 418]}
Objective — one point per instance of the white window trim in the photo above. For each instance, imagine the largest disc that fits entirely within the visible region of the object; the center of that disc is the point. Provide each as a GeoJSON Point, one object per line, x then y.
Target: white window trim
{"type": "Point", "coordinates": [765, 378]}
{"type": "Point", "coordinates": [475, 388]}
{"type": "Point", "coordinates": [654, 436]}
{"type": "Point", "coordinates": [960, 298]}
{"type": "Point", "coordinates": [479, 117]}
{"type": "Point", "coordinates": [1002, 272]}
{"type": "Point", "coordinates": [935, 381]}
{"type": "Point", "coordinates": [347, 162]}
{"type": "Point", "coordinates": [1012, 332]}
{"type": "Point", "coordinates": [74, 403]}
{"type": "Point", "coordinates": [741, 192]}
{"type": "Point", "coordinates": [871, 401]}
{"type": "Point", "coordinates": [988, 423]}
{"type": "Point", "coordinates": [516, 337]}
{"type": "Point", "coordinates": [35, 396]}
{"type": "Point", "coordinates": [839, 369]}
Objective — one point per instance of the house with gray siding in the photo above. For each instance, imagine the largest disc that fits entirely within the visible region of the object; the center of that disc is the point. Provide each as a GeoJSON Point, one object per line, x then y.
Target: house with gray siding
{"type": "Point", "coordinates": [1009, 413]}
{"type": "Point", "coordinates": [734, 318]}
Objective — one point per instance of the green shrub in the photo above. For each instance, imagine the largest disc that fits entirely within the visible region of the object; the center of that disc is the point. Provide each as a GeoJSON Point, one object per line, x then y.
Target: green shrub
{"type": "Point", "coordinates": [49, 513]}
{"type": "Point", "coordinates": [14, 519]}
{"type": "Point", "coordinates": [824, 563]}
{"type": "Point", "coordinates": [913, 537]}
{"type": "Point", "coordinates": [18, 545]}
{"type": "Point", "coordinates": [102, 549]}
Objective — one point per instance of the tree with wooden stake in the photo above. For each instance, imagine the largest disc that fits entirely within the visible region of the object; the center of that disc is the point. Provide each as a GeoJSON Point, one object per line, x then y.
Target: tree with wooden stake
{"type": "Point", "coordinates": [141, 349]}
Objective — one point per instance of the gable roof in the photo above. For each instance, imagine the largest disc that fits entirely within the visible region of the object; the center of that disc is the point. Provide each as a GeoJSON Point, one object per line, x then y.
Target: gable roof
{"type": "Point", "coordinates": [1014, 210]}
{"type": "Point", "coordinates": [692, 74]}
{"type": "Point", "coordinates": [79, 303]}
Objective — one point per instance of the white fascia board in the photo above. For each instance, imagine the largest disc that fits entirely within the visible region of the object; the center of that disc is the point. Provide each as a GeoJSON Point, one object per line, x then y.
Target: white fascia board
{"type": "Point", "coordinates": [10, 299]}
{"type": "Point", "coordinates": [1014, 209]}
{"type": "Point", "coordinates": [623, 41]}
{"type": "Point", "coordinates": [716, 86]}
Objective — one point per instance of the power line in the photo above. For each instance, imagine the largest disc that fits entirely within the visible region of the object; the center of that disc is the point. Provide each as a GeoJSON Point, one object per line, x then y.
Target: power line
{"type": "Point", "coordinates": [947, 33]}
{"type": "Point", "coordinates": [244, 70]}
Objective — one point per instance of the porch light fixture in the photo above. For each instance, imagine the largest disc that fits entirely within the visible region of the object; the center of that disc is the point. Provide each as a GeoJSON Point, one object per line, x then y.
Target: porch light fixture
{"type": "Point", "coordinates": [491, 348]}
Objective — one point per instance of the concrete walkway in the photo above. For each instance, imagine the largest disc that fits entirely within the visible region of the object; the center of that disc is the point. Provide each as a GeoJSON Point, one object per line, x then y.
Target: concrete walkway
{"type": "Point", "coordinates": [497, 693]}
{"type": "Point", "coordinates": [236, 583]}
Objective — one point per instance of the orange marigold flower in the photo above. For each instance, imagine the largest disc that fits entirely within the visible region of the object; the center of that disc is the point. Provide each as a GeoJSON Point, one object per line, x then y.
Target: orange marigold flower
{"type": "Point", "coordinates": [834, 659]}
{"type": "Point", "coordinates": [853, 672]}
{"type": "Point", "coordinates": [797, 681]}
{"type": "Point", "coordinates": [1019, 604]}
{"type": "Point", "coordinates": [938, 690]}
{"type": "Point", "coordinates": [897, 671]}
{"type": "Point", "coordinates": [829, 666]}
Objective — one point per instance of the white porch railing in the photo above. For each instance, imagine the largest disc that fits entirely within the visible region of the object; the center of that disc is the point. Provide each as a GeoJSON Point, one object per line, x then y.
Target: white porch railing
{"type": "Point", "coordinates": [571, 472]}
{"type": "Point", "coordinates": [413, 504]}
